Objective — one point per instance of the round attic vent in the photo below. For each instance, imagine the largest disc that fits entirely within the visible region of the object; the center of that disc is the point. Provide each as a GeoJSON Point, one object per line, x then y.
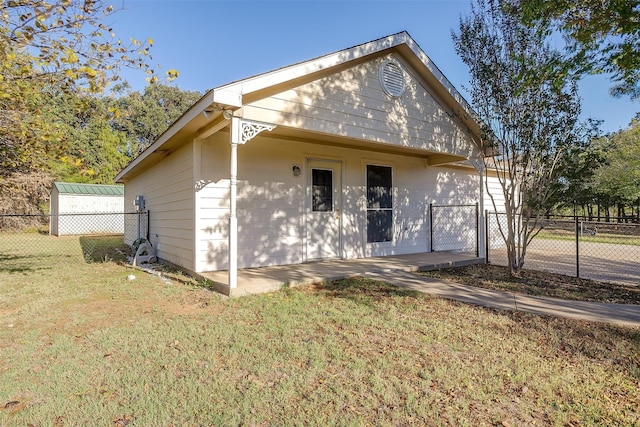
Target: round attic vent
{"type": "Point", "coordinates": [392, 78]}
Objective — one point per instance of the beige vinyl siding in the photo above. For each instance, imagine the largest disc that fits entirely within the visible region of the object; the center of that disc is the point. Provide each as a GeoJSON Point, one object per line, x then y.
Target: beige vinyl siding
{"type": "Point", "coordinates": [212, 199]}
{"type": "Point", "coordinates": [268, 206]}
{"type": "Point", "coordinates": [343, 120]}
{"type": "Point", "coordinates": [353, 104]}
{"type": "Point", "coordinates": [271, 201]}
{"type": "Point", "coordinates": [415, 189]}
{"type": "Point", "coordinates": [493, 187]}
{"type": "Point", "coordinates": [168, 192]}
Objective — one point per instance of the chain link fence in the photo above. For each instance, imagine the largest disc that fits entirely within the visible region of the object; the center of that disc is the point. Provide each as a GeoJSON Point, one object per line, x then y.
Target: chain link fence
{"type": "Point", "coordinates": [605, 251]}
{"type": "Point", "coordinates": [454, 228]}
{"type": "Point", "coordinates": [96, 236]}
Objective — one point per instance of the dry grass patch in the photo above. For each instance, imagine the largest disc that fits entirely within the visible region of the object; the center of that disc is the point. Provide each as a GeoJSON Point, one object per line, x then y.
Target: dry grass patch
{"type": "Point", "coordinates": [540, 283]}
{"type": "Point", "coordinates": [82, 345]}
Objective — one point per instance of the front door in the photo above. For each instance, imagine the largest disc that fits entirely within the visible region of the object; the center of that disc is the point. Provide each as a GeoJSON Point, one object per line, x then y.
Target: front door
{"type": "Point", "coordinates": [323, 207]}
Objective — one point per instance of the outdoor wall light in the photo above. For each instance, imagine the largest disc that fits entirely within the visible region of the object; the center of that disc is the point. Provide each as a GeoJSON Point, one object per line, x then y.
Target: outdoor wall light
{"type": "Point", "coordinates": [215, 108]}
{"type": "Point", "coordinates": [296, 170]}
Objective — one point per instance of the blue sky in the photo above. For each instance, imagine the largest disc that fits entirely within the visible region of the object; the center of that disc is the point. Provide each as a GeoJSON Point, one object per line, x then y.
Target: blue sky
{"type": "Point", "coordinates": [213, 42]}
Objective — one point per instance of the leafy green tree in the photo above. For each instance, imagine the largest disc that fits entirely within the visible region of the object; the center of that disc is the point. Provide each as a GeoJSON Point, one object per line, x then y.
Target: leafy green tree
{"type": "Point", "coordinates": [95, 151]}
{"type": "Point", "coordinates": [577, 181]}
{"type": "Point", "coordinates": [48, 48]}
{"type": "Point", "coordinates": [66, 43]}
{"type": "Point", "coordinates": [529, 108]}
{"type": "Point", "coordinates": [104, 133]}
{"type": "Point", "coordinates": [619, 177]}
{"type": "Point", "coordinates": [143, 117]}
{"type": "Point", "coordinates": [602, 35]}
{"type": "Point", "coordinates": [25, 138]}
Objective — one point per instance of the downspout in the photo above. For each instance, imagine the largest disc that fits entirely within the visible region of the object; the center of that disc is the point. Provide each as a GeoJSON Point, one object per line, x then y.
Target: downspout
{"type": "Point", "coordinates": [482, 220]}
{"type": "Point", "coordinates": [481, 229]}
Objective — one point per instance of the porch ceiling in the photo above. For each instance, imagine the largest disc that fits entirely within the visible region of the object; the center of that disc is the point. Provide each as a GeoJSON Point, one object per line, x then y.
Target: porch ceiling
{"type": "Point", "coordinates": [329, 140]}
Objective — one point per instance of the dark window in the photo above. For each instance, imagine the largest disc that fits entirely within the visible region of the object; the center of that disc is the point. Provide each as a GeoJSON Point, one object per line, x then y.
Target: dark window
{"type": "Point", "coordinates": [379, 226]}
{"type": "Point", "coordinates": [379, 187]}
{"type": "Point", "coordinates": [322, 190]}
{"type": "Point", "coordinates": [379, 204]}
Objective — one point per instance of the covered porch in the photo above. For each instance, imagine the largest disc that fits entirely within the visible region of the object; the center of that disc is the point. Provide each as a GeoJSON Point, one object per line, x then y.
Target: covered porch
{"type": "Point", "coordinates": [273, 278]}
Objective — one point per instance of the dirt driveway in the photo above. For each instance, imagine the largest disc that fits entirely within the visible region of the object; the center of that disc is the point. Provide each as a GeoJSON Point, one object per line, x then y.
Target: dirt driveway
{"type": "Point", "coordinates": [598, 261]}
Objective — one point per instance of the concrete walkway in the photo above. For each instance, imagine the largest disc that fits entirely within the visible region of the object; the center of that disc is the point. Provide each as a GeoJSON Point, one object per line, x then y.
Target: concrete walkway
{"type": "Point", "coordinates": [268, 279]}
{"type": "Point", "coordinates": [619, 314]}
{"type": "Point", "coordinates": [401, 271]}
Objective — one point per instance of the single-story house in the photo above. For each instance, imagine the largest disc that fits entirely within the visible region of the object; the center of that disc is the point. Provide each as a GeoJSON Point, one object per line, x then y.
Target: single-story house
{"type": "Point", "coordinates": [336, 157]}
{"type": "Point", "coordinates": [86, 209]}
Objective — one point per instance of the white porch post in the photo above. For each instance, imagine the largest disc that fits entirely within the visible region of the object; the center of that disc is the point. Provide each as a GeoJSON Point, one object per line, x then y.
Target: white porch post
{"type": "Point", "coordinates": [233, 217]}
{"type": "Point", "coordinates": [241, 132]}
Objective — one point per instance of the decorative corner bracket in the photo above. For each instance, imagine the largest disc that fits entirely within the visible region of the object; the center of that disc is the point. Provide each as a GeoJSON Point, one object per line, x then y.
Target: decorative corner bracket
{"type": "Point", "coordinates": [478, 164]}
{"type": "Point", "coordinates": [245, 130]}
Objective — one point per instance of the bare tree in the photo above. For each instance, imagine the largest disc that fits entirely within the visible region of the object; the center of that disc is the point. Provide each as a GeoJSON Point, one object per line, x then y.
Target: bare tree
{"type": "Point", "coordinates": [528, 104]}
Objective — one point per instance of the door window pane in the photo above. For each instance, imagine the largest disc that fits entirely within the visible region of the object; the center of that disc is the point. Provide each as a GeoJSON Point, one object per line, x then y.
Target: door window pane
{"type": "Point", "coordinates": [322, 190]}
{"type": "Point", "coordinates": [379, 187]}
{"type": "Point", "coordinates": [379, 226]}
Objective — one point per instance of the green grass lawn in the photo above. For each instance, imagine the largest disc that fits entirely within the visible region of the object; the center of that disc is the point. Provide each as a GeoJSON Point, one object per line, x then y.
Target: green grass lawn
{"type": "Point", "coordinates": [80, 344]}
{"type": "Point", "coordinates": [616, 239]}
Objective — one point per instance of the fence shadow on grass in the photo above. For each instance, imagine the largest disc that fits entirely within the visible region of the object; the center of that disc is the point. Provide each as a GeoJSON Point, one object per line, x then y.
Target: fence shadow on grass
{"type": "Point", "coordinates": [11, 263]}
{"type": "Point", "coordinates": [104, 248]}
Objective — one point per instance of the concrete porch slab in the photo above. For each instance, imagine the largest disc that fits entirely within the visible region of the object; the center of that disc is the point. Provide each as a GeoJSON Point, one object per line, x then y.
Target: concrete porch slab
{"type": "Point", "coordinates": [268, 279]}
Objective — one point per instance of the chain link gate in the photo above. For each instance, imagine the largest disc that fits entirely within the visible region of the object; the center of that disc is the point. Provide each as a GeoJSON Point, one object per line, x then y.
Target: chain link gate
{"type": "Point", "coordinates": [454, 228]}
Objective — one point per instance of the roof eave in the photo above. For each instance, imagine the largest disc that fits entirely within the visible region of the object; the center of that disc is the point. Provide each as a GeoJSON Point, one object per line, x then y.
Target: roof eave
{"type": "Point", "coordinates": [445, 89]}
{"type": "Point", "coordinates": [233, 95]}
{"type": "Point", "coordinates": [221, 101]}
{"type": "Point", "coordinates": [234, 92]}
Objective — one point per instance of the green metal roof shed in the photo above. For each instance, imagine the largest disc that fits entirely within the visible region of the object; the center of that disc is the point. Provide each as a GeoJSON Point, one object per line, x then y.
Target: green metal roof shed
{"type": "Point", "coordinates": [86, 208]}
{"type": "Point", "coordinates": [89, 189]}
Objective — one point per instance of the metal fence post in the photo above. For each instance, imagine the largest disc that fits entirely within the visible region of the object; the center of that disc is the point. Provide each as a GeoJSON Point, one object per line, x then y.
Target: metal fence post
{"type": "Point", "coordinates": [486, 236]}
{"type": "Point", "coordinates": [148, 225]}
{"type": "Point", "coordinates": [431, 227]}
{"type": "Point", "coordinates": [477, 231]}
{"type": "Point", "coordinates": [139, 218]}
{"type": "Point", "coordinates": [577, 247]}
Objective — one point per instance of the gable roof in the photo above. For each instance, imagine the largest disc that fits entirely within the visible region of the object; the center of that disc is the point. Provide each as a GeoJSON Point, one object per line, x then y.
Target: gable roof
{"type": "Point", "coordinates": [89, 189]}
{"type": "Point", "coordinates": [206, 116]}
